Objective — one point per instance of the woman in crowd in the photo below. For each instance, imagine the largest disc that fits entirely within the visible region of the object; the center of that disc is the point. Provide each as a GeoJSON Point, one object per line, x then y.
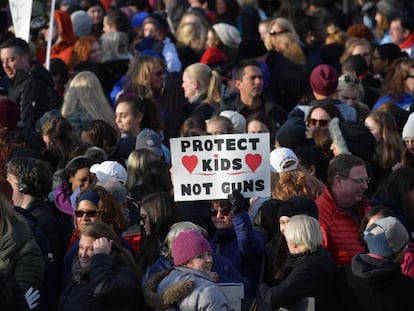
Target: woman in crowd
{"type": "Point", "coordinates": [103, 276]}
{"type": "Point", "coordinates": [157, 215]}
{"type": "Point", "coordinates": [135, 113]}
{"type": "Point", "coordinates": [308, 272]}
{"type": "Point", "coordinates": [62, 143]}
{"type": "Point", "coordinates": [145, 77]}
{"type": "Point", "coordinates": [191, 38]}
{"type": "Point", "coordinates": [86, 48]}
{"type": "Point", "coordinates": [235, 237]}
{"type": "Point", "coordinates": [75, 175]}
{"type": "Point", "coordinates": [399, 84]}
{"type": "Point", "coordinates": [202, 88]}
{"type": "Point", "coordinates": [320, 115]}
{"type": "Point", "coordinates": [85, 100]}
{"type": "Point", "coordinates": [191, 253]}
{"type": "Point", "coordinates": [350, 91]}
{"type": "Point", "coordinates": [389, 145]}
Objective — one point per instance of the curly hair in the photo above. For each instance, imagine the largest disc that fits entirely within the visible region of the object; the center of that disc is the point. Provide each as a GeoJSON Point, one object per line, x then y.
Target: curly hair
{"type": "Point", "coordinates": [298, 182]}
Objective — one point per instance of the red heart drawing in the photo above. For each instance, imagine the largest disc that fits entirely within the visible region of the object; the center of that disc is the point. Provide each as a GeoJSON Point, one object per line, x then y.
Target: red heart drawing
{"type": "Point", "coordinates": [189, 162]}
{"type": "Point", "coordinates": [253, 161]}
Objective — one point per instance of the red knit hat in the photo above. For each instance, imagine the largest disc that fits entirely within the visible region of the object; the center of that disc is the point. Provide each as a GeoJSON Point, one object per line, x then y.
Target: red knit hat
{"type": "Point", "coordinates": [9, 113]}
{"type": "Point", "coordinates": [324, 80]}
{"type": "Point", "coordinates": [188, 245]}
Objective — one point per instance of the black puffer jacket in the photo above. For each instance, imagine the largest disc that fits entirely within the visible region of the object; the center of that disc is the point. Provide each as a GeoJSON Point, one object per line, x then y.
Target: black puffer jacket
{"type": "Point", "coordinates": [34, 93]}
{"type": "Point", "coordinates": [107, 286]}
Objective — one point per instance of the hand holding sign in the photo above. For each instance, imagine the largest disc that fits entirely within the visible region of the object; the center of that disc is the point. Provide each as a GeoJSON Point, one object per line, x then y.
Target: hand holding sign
{"type": "Point", "coordinates": [211, 167]}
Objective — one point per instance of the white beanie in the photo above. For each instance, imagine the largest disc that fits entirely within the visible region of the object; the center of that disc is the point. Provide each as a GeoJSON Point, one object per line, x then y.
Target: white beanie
{"type": "Point", "coordinates": [228, 34]}
{"type": "Point", "coordinates": [408, 130]}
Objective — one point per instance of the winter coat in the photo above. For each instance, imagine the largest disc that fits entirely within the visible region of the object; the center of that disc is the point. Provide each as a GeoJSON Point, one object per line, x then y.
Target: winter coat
{"type": "Point", "coordinates": [244, 246]}
{"type": "Point", "coordinates": [105, 286]}
{"type": "Point", "coordinates": [307, 275]}
{"type": "Point", "coordinates": [206, 295]}
{"type": "Point", "coordinates": [275, 111]}
{"type": "Point", "coordinates": [63, 49]}
{"type": "Point", "coordinates": [222, 265]}
{"type": "Point", "coordinates": [169, 52]}
{"type": "Point", "coordinates": [34, 93]}
{"type": "Point", "coordinates": [373, 284]}
{"type": "Point", "coordinates": [21, 257]}
{"type": "Point", "coordinates": [340, 230]}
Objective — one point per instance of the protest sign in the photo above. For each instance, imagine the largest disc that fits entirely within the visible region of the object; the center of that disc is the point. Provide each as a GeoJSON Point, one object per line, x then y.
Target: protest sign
{"type": "Point", "coordinates": [21, 11]}
{"type": "Point", "coordinates": [211, 167]}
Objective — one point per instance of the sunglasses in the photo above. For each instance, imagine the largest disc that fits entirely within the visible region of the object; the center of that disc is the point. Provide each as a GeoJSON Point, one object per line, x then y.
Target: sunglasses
{"type": "Point", "coordinates": [88, 214]}
{"type": "Point", "coordinates": [214, 212]}
{"type": "Point", "coordinates": [275, 33]}
{"type": "Point", "coordinates": [321, 123]}
{"type": "Point", "coordinates": [349, 79]}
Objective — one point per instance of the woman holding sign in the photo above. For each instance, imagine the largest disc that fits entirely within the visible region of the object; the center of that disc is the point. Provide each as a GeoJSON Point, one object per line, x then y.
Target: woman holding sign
{"type": "Point", "coordinates": [235, 237]}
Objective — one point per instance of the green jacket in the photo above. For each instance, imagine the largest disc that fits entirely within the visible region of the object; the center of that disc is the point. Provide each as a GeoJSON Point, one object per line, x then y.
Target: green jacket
{"type": "Point", "coordinates": [20, 256]}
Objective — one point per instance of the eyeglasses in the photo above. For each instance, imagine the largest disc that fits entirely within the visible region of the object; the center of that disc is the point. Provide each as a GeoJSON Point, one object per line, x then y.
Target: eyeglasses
{"type": "Point", "coordinates": [358, 181]}
{"type": "Point", "coordinates": [275, 33]}
{"type": "Point", "coordinates": [214, 212]}
{"type": "Point", "coordinates": [321, 123]}
{"type": "Point", "coordinates": [88, 214]}
{"type": "Point", "coordinates": [349, 79]}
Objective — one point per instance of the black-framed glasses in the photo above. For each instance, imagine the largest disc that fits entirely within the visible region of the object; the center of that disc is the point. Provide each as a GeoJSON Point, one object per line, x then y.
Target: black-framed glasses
{"type": "Point", "coordinates": [321, 123]}
{"type": "Point", "coordinates": [275, 33]}
{"type": "Point", "coordinates": [349, 79]}
{"type": "Point", "coordinates": [88, 214]}
{"type": "Point", "coordinates": [358, 181]}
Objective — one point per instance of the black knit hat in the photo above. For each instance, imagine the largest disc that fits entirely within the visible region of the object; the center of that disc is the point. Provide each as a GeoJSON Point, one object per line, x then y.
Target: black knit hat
{"type": "Point", "coordinates": [352, 138]}
{"type": "Point", "coordinates": [298, 206]}
{"type": "Point", "coordinates": [250, 48]}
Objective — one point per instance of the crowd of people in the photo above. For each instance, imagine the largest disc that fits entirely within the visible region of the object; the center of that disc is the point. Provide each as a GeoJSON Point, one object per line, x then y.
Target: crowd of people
{"type": "Point", "coordinates": [88, 218]}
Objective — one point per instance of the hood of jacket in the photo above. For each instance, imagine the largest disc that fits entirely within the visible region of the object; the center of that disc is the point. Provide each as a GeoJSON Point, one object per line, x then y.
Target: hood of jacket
{"type": "Point", "coordinates": [375, 272]}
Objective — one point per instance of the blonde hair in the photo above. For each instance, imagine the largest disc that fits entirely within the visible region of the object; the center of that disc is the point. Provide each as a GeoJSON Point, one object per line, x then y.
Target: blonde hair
{"type": "Point", "coordinates": [297, 182]}
{"type": "Point", "coordinates": [336, 35]}
{"type": "Point", "coordinates": [305, 232]}
{"type": "Point", "coordinates": [138, 76]}
{"type": "Point", "coordinates": [350, 46]}
{"type": "Point", "coordinates": [286, 44]}
{"type": "Point", "coordinates": [209, 81]}
{"type": "Point", "coordinates": [283, 23]}
{"type": "Point", "coordinates": [137, 163]}
{"type": "Point", "coordinates": [85, 95]}
{"type": "Point", "coordinates": [191, 34]}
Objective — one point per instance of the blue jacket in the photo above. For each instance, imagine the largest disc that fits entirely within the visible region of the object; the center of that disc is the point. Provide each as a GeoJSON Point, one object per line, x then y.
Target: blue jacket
{"type": "Point", "coordinates": [244, 246]}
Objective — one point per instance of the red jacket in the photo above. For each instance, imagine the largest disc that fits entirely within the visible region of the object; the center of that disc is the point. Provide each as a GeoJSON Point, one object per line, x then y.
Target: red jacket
{"type": "Point", "coordinates": [340, 231]}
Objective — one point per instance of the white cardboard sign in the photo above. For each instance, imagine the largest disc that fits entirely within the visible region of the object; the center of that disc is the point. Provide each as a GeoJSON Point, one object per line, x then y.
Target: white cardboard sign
{"type": "Point", "coordinates": [211, 167]}
{"type": "Point", "coordinates": [21, 12]}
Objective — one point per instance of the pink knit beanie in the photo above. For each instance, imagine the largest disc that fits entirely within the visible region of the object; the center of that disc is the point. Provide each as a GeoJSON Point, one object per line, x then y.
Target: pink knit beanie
{"type": "Point", "coordinates": [187, 245]}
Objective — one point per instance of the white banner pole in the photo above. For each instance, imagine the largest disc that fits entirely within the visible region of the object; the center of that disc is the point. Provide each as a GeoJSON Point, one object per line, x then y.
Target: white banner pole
{"type": "Point", "coordinates": [49, 39]}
